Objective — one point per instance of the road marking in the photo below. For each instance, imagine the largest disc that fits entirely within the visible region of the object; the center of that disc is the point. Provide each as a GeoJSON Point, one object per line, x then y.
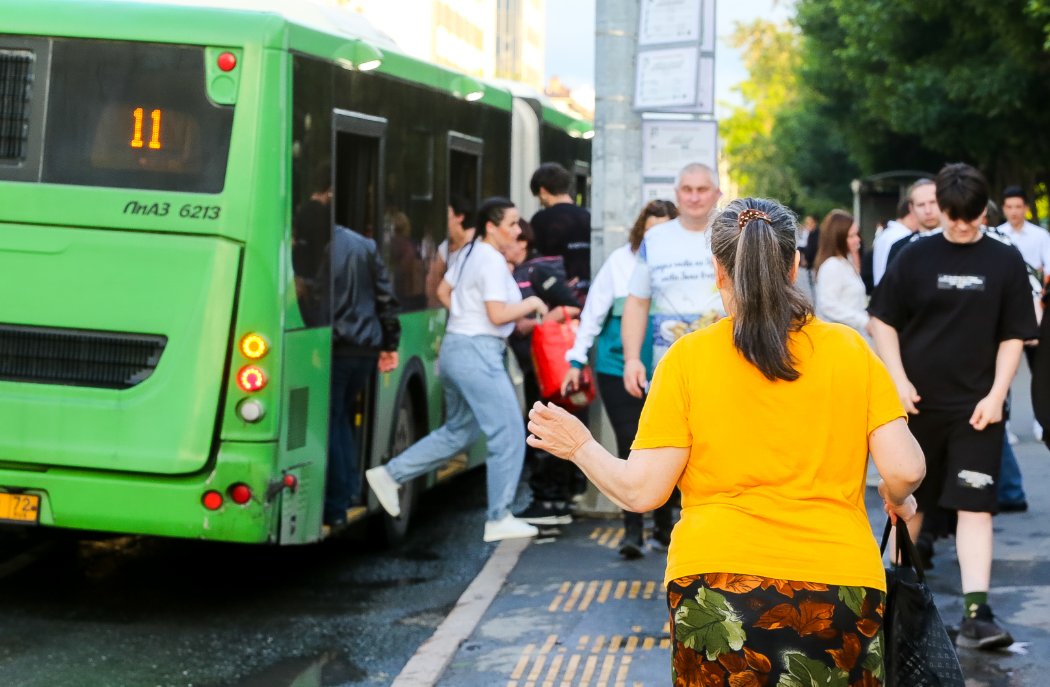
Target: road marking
{"type": "Point", "coordinates": [598, 643]}
{"type": "Point", "coordinates": [570, 671]}
{"type": "Point", "coordinates": [614, 645]}
{"type": "Point", "coordinates": [649, 587]}
{"type": "Point", "coordinates": [621, 587]}
{"type": "Point", "coordinates": [574, 597]}
{"type": "Point", "coordinates": [25, 559]}
{"type": "Point", "coordinates": [621, 674]}
{"type": "Point", "coordinates": [596, 532]}
{"type": "Point", "coordinates": [665, 643]}
{"type": "Point", "coordinates": [537, 666]}
{"type": "Point", "coordinates": [632, 643]}
{"type": "Point", "coordinates": [605, 536]}
{"type": "Point", "coordinates": [588, 671]}
{"type": "Point", "coordinates": [564, 589]}
{"type": "Point", "coordinates": [635, 586]}
{"type": "Point", "coordinates": [592, 588]}
{"type": "Point", "coordinates": [432, 657]}
{"type": "Point", "coordinates": [554, 604]}
{"type": "Point", "coordinates": [647, 644]}
{"type": "Point", "coordinates": [584, 641]}
{"type": "Point", "coordinates": [616, 539]}
{"type": "Point", "coordinates": [549, 644]}
{"type": "Point", "coordinates": [523, 661]}
{"type": "Point", "coordinates": [607, 667]}
{"type": "Point", "coordinates": [552, 674]}
{"type": "Point", "coordinates": [603, 595]}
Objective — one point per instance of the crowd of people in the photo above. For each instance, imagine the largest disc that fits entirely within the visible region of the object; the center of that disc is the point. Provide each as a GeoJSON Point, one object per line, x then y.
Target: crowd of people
{"type": "Point", "coordinates": [721, 378]}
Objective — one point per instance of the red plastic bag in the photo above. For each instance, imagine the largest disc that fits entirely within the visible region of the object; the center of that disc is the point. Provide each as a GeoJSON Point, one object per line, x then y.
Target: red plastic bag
{"type": "Point", "coordinates": [550, 342]}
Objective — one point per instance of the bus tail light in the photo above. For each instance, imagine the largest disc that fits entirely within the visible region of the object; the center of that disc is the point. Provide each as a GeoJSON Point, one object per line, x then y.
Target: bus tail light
{"type": "Point", "coordinates": [241, 494]}
{"type": "Point", "coordinates": [251, 378]}
{"type": "Point", "coordinates": [212, 500]}
{"type": "Point", "coordinates": [254, 346]}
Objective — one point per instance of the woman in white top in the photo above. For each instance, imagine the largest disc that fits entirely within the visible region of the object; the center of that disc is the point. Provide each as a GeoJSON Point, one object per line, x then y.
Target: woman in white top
{"type": "Point", "coordinates": [840, 292]}
{"type": "Point", "coordinates": [460, 233]}
{"type": "Point", "coordinates": [484, 301]}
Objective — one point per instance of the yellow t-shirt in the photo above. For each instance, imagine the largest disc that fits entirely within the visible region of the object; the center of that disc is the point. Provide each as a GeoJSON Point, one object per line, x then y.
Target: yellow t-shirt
{"type": "Point", "coordinates": [776, 475]}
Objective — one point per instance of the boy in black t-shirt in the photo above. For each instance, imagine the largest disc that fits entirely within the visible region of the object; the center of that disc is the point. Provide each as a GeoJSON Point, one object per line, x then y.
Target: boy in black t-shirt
{"type": "Point", "coordinates": [950, 319]}
{"type": "Point", "coordinates": [562, 228]}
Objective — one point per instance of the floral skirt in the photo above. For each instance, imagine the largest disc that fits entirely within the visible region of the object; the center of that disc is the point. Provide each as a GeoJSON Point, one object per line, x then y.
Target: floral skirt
{"type": "Point", "coordinates": [749, 631]}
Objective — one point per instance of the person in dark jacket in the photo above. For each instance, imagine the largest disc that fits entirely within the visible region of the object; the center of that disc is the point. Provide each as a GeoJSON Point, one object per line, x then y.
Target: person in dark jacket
{"type": "Point", "coordinates": [365, 327]}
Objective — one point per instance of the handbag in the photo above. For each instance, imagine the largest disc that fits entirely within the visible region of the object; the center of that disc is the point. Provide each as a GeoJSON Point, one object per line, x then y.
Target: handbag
{"type": "Point", "coordinates": [918, 651]}
{"type": "Point", "coordinates": [550, 342]}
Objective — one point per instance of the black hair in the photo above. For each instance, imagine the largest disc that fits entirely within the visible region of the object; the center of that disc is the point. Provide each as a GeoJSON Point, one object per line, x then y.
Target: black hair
{"type": "Point", "coordinates": [759, 258]}
{"type": "Point", "coordinates": [962, 192]}
{"type": "Point", "coordinates": [491, 210]}
{"type": "Point", "coordinates": [462, 206]}
{"type": "Point", "coordinates": [903, 207]}
{"type": "Point", "coordinates": [551, 176]}
{"type": "Point", "coordinates": [1015, 192]}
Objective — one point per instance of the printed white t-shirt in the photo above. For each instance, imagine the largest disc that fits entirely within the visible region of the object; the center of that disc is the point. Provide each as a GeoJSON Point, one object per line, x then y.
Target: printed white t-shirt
{"type": "Point", "coordinates": [676, 270]}
{"type": "Point", "coordinates": [479, 274]}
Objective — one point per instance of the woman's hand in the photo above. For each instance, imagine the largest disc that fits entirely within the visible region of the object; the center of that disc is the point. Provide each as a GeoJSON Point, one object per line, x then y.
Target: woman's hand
{"type": "Point", "coordinates": [571, 381]}
{"type": "Point", "coordinates": [555, 431]}
{"type": "Point", "coordinates": [634, 377]}
{"type": "Point", "coordinates": [905, 510]}
{"type": "Point", "coordinates": [536, 303]}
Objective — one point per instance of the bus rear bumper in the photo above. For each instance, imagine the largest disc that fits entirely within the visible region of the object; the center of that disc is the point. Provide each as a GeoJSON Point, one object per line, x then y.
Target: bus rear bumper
{"type": "Point", "coordinates": [161, 505]}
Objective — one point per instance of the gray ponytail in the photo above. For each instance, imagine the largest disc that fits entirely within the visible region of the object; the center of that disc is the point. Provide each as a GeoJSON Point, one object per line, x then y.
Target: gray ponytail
{"type": "Point", "coordinates": [759, 255]}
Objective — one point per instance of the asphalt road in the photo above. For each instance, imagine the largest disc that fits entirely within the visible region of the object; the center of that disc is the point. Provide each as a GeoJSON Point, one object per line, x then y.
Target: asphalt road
{"type": "Point", "coordinates": [147, 612]}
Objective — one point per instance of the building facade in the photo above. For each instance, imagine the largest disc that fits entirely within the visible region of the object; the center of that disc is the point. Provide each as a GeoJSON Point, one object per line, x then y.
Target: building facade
{"type": "Point", "coordinates": [519, 41]}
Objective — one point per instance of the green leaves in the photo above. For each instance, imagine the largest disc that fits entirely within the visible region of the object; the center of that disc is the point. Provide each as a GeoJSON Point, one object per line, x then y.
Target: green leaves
{"type": "Point", "coordinates": [806, 672]}
{"type": "Point", "coordinates": [873, 660]}
{"type": "Point", "coordinates": [709, 625]}
{"type": "Point", "coordinates": [854, 598]}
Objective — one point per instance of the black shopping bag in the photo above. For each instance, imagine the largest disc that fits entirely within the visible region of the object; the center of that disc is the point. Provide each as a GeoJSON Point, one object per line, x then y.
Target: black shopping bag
{"type": "Point", "coordinates": [918, 651]}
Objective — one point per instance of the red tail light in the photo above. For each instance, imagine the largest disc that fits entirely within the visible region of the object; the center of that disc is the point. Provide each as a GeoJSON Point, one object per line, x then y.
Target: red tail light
{"type": "Point", "coordinates": [241, 494]}
{"type": "Point", "coordinates": [251, 378]}
{"type": "Point", "coordinates": [212, 500]}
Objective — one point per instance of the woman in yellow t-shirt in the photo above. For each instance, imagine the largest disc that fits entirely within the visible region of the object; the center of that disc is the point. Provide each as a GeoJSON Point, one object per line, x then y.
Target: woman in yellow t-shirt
{"type": "Point", "coordinates": [765, 421]}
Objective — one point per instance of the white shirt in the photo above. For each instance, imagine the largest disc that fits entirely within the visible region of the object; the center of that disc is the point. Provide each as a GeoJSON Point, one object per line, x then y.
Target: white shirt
{"type": "Point", "coordinates": [445, 255]}
{"type": "Point", "coordinates": [676, 270]}
{"type": "Point", "coordinates": [1034, 243]}
{"type": "Point", "coordinates": [840, 294]}
{"type": "Point", "coordinates": [478, 275]}
{"type": "Point", "coordinates": [611, 283]}
{"type": "Point", "coordinates": [880, 248]}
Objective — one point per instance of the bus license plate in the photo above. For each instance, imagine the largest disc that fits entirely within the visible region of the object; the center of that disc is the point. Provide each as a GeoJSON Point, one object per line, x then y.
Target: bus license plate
{"type": "Point", "coordinates": [23, 508]}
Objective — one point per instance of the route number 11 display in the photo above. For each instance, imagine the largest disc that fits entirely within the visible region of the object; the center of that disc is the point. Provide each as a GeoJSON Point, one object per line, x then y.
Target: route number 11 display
{"type": "Point", "coordinates": [154, 142]}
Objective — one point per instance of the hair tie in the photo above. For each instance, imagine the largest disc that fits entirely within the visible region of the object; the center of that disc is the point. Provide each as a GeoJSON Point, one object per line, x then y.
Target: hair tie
{"type": "Point", "coordinates": [748, 216]}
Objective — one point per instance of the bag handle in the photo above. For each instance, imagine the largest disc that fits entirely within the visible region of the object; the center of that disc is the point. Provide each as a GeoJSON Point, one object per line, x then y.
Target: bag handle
{"type": "Point", "coordinates": [907, 554]}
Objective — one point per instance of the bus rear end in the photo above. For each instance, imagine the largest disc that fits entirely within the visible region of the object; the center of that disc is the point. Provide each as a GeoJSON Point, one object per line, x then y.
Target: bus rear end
{"type": "Point", "coordinates": [139, 235]}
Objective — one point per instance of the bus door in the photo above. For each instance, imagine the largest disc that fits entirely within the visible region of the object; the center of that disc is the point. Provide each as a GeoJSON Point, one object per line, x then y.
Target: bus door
{"type": "Point", "coordinates": [464, 167]}
{"type": "Point", "coordinates": [357, 168]}
{"type": "Point", "coordinates": [581, 172]}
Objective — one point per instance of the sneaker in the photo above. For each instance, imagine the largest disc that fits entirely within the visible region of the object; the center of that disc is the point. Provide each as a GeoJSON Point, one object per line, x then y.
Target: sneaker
{"type": "Point", "coordinates": [508, 528]}
{"type": "Point", "coordinates": [924, 545]}
{"type": "Point", "coordinates": [979, 630]}
{"type": "Point", "coordinates": [1014, 507]}
{"type": "Point", "coordinates": [631, 544]}
{"type": "Point", "coordinates": [385, 489]}
{"type": "Point", "coordinates": [662, 538]}
{"type": "Point", "coordinates": [545, 513]}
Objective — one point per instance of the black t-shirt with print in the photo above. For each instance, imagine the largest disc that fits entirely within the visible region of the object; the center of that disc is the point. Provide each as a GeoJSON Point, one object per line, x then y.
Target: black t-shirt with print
{"type": "Point", "coordinates": [952, 304]}
{"type": "Point", "coordinates": [565, 230]}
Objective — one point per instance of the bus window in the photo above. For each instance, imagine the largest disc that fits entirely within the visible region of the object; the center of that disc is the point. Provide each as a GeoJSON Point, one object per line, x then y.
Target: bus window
{"type": "Point", "coordinates": [464, 166]}
{"type": "Point", "coordinates": [357, 183]}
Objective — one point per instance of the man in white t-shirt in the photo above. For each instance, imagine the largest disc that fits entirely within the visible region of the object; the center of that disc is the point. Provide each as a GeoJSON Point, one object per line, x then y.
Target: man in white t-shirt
{"type": "Point", "coordinates": [905, 225]}
{"type": "Point", "coordinates": [673, 283]}
{"type": "Point", "coordinates": [1031, 239]}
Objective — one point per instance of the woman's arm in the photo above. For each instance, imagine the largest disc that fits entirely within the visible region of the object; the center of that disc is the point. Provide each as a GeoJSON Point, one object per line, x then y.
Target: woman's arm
{"type": "Point", "coordinates": [888, 348]}
{"type": "Point", "coordinates": [444, 294]}
{"type": "Point", "coordinates": [599, 300]}
{"type": "Point", "coordinates": [435, 275]}
{"type": "Point", "coordinates": [831, 282]}
{"type": "Point", "coordinates": [501, 313]}
{"type": "Point", "coordinates": [901, 465]}
{"type": "Point", "coordinates": [641, 483]}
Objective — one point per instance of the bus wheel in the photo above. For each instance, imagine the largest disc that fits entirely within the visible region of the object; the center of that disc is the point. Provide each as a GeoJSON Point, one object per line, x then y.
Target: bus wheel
{"type": "Point", "coordinates": [404, 436]}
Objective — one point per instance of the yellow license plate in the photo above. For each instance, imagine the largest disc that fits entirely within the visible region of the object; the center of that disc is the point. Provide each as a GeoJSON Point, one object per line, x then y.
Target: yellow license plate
{"type": "Point", "coordinates": [19, 507]}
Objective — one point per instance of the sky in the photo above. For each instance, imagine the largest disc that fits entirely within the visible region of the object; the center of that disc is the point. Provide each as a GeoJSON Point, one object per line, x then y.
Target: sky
{"type": "Point", "coordinates": [570, 41]}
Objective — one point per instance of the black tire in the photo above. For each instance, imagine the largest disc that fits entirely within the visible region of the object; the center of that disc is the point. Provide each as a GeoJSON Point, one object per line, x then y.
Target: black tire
{"type": "Point", "coordinates": [395, 529]}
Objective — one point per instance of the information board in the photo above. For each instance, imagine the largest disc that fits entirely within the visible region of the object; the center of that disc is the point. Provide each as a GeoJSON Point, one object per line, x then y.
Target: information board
{"type": "Point", "coordinates": [668, 146]}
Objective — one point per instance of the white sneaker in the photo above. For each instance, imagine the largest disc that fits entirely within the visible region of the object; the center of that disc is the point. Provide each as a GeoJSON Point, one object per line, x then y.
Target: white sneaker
{"type": "Point", "coordinates": [508, 528]}
{"type": "Point", "coordinates": [385, 489]}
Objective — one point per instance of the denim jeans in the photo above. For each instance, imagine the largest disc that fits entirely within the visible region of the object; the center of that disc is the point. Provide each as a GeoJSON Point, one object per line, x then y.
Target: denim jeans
{"type": "Point", "coordinates": [1011, 491]}
{"type": "Point", "coordinates": [479, 397]}
{"type": "Point", "coordinates": [350, 375]}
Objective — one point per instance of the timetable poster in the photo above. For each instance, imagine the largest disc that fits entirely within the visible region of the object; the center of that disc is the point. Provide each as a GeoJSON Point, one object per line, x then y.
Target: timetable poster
{"type": "Point", "coordinates": [670, 21]}
{"type": "Point", "coordinates": [666, 79]}
{"type": "Point", "coordinates": [668, 146]}
{"type": "Point", "coordinates": [659, 191]}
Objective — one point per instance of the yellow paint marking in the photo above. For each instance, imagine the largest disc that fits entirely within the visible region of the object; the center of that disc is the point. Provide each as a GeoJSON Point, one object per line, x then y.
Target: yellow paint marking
{"type": "Point", "coordinates": [588, 671]}
{"type": "Point", "coordinates": [355, 513]}
{"type": "Point", "coordinates": [607, 667]}
{"type": "Point", "coordinates": [549, 644]}
{"type": "Point", "coordinates": [665, 643]}
{"type": "Point", "coordinates": [636, 628]}
{"type": "Point", "coordinates": [592, 588]}
{"type": "Point", "coordinates": [599, 642]}
{"type": "Point", "coordinates": [553, 672]}
{"type": "Point", "coordinates": [554, 604]}
{"type": "Point", "coordinates": [570, 671]}
{"type": "Point", "coordinates": [667, 627]}
{"type": "Point", "coordinates": [456, 465]}
{"type": "Point", "coordinates": [605, 536]}
{"type": "Point", "coordinates": [615, 542]}
{"type": "Point", "coordinates": [564, 589]}
{"type": "Point", "coordinates": [638, 684]}
{"type": "Point", "coordinates": [649, 588]}
{"type": "Point", "coordinates": [512, 683]}
{"type": "Point", "coordinates": [603, 595]}
{"type": "Point", "coordinates": [632, 643]}
{"type": "Point", "coordinates": [574, 597]}
{"type": "Point", "coordinates": [537, 666]}
{"type": "Point", "coordinates": [596, 532]}
{"type": "Point", "coordinates": [519, 668]}
{"type": "Point", "coordinates": [635, 587]}
{"type": "Point", "coordinates": [647, 644]}
{"type": "Point", "coordinates": [621, 587]}
{"type": "Point", "coordinates": [614, 645]}
{"type": "Point", "coordinates": [625, 665]}
{"type": "Point", "coordinates": [584, 641]}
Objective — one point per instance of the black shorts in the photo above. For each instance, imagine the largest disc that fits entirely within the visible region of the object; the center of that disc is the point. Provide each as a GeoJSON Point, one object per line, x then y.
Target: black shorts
{"type": "Point", "coordinates": [962, 464]}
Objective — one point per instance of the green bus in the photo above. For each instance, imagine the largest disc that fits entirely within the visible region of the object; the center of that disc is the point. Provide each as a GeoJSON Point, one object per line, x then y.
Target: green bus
{"type": "Point", "coordinates": [170, 175]}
